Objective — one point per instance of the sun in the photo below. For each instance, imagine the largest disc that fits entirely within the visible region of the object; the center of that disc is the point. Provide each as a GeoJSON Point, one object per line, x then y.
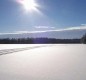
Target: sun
{"type": "Point", "coordinates": [29, 5]}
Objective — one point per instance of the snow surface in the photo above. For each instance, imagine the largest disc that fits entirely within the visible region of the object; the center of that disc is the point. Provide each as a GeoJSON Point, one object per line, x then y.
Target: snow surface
{"type": "Point", "coordinates": [43, 62]}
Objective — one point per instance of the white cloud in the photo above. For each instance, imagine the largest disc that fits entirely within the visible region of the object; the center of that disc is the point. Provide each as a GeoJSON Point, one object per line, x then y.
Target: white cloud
{"type": "Point", "coordinates": [44, 27]}
{"type": "Point", "coordinates": [41, 26]}
{"type": "Point", "coordinates": [21, 32]}
{"type": "Point", "coordinates": [83, 24]}
{"type": "Point", "coordinates": [77, 28]}
{"type": "Point", "coordinates": [65, 29]}
{"type": "Point", "coordinates": [52, 27]}
{"type": "Point", "coordinates": [7, 33]}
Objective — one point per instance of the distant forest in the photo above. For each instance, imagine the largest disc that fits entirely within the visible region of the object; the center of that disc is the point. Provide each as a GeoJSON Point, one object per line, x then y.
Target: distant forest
{"type": "Point", "coordinates": [37, 41]}
{"type": "Point", "coordinates": [83, 40]}
{"type": "Point", "coordinates": [42, 41]}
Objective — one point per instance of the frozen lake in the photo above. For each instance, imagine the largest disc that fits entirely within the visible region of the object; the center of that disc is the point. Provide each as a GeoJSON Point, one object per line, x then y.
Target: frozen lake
{"type": "Point", "coordinates": [43, 62]}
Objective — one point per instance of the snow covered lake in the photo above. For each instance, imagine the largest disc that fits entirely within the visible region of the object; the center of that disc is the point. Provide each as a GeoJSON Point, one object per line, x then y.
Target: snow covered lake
{"type": "Point", "coordinates": [43, 62]}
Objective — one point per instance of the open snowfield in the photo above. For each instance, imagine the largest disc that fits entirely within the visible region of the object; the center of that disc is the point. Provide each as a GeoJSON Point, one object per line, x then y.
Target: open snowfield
{"type": "Point", "coordinates": [43, 62]}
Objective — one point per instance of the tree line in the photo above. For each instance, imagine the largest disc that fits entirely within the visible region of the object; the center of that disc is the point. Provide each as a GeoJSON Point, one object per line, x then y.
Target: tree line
{"type": "Point", "coordinates": [83, 40]}
{"type": "Point", "coordinates": [38, 41]}
{"type": "Point", "coordinates": [42, 40]}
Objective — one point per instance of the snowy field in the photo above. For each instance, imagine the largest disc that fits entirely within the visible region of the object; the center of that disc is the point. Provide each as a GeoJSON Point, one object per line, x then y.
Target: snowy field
{"type": "Point", "coordinates": [43, 62]}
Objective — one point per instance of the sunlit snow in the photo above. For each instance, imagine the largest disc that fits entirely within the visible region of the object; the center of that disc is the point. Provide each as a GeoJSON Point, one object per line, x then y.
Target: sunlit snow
{"type": "Point", "coordinates": [44, 62]}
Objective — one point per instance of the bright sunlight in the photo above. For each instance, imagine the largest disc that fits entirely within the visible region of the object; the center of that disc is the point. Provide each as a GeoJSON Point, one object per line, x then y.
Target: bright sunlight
{"type": "Point", "coordinates": [29, 5]}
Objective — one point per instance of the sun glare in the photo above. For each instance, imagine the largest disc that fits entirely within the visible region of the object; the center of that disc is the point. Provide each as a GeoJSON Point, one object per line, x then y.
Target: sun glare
{"type": "Point", "coordinates": [29, 5]}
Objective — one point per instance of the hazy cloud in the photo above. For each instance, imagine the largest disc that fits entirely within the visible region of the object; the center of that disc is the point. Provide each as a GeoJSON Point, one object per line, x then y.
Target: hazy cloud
{"type": "Point", "coordinates": [83, 24]}
{"type": "Point", "coordinates": [41, 27]}
{"type": "Point", "coordinates": [65, 29]}
{"type": "Point", "coordinates": [44, 27]}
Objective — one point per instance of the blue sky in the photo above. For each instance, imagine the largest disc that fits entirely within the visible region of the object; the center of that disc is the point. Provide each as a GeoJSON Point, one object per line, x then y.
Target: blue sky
{"type": "Point", "coordinates": [54, 14]}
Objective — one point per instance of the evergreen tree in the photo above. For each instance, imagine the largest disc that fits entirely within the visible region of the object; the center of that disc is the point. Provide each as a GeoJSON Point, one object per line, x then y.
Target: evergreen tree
{"type": "Point", "coordinates": [83, 40]}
